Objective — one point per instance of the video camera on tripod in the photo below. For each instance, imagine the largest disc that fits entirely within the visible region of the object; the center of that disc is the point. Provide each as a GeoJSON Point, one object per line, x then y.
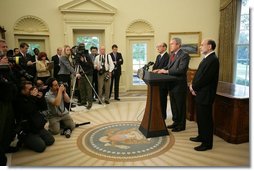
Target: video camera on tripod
{"type": "Point", "coordinates": [80, 51]}
{"type": "Point", "coordinates": [83, 66]}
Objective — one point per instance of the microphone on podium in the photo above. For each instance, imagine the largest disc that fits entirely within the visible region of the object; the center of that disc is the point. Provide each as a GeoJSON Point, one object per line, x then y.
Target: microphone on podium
{"type": "Point", "coordinates": [150, 63]}
{"type": "Point", "coordinates": [146, 67]}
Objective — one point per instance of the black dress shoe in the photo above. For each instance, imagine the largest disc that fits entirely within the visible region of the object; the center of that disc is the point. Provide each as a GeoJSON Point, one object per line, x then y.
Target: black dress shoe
{"type": "Point", "coordinates": [176, 129]}
{"type": "Point", "coordinates": [171, 126]}
{"type": "Point", "coordinates": [89, 106]}
{"type": "Point", "coordinates": [202, 148]}
{"type": "Point", "coordinates": [82, 104]}
{"type": "Point", "coordinates": [117, 99]}
{"type": "Point", "coordinates": [73, 105]}
{"type": "Point", "coordinates": [195, 139]}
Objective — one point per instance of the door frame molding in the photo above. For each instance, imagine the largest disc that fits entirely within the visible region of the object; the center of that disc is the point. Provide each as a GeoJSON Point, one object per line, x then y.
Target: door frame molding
{"type": "Point", "coordinates": [129, 76]}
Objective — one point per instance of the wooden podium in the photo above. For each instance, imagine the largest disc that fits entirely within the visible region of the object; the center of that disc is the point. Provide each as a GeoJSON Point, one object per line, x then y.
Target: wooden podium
{"type": "Point", "coordinates": [153, 125]}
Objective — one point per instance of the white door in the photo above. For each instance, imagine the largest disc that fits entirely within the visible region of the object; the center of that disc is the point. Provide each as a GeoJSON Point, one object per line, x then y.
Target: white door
{"type": "Point", "coordinates": [89, 37]}
{"type": "Point", "coordinates": [139, 53]}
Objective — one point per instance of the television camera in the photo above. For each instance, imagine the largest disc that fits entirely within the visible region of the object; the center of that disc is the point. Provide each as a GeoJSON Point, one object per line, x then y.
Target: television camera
{"type": "Point", "coordinates": [80, 51]}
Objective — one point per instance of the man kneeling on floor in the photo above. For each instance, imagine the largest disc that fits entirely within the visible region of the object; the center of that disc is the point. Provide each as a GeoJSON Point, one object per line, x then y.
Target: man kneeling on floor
{"type": "Point", "coordinates": [29, 107]}
{"type": "Point", "coordinates": [58, 116]}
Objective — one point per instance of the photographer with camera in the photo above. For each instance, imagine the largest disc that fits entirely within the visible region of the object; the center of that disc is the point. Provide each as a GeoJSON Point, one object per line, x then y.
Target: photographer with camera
{"type": "Point", "coordinates": [85, 84]}
{"type": "Point", "coordinates": [115, 79]}
{"type": "Point", "coordinates": [27, 62]}
{"type": "Point", "coordinates": [40, 85]}
{"type": "Point", "coordinates": [30, 107]}
{"type": "Point", "coordinates": [18, 63]}
{"type": "Point", "coordinates": [104, 64]}
{"type": "Point", "coordinates": [8, 92]}
{"type": "Point", "coordinates": [58, 115]}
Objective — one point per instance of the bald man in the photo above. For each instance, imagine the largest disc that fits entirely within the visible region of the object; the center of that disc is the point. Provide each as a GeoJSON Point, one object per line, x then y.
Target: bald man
{"type": "Point", "coordinates": [203, 87]}
{"type": "Point", "coordinates": [104, 65]}
{"type": "Point", "coordinates": [55, 58]}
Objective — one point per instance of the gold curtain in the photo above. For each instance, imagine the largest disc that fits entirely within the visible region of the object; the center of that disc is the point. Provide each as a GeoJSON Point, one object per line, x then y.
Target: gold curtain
{"type": "Point", "coordinates": [228, 16]}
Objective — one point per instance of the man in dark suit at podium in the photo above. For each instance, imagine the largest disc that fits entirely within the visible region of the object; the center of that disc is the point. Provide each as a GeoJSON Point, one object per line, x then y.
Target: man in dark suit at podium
{"type": "Point", "coordinates": [177, 66]}
{"type": "Point", "coordinates": [203, 87]}
{"type": "Point", "coordinates": [161, 62]}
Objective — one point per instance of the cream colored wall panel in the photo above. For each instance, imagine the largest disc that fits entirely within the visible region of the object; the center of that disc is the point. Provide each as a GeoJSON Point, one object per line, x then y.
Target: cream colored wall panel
{"type": "Point", "coordinates": [164, 16]}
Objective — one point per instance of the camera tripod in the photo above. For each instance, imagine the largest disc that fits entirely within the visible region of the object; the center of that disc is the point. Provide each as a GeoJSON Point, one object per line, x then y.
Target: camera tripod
{"type": "Point", "coordinates": [79, 69]}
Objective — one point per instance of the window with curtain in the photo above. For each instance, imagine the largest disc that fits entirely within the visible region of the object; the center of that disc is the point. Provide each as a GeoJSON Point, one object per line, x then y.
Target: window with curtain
{"type": "Point", "coordinates": [242, 45]}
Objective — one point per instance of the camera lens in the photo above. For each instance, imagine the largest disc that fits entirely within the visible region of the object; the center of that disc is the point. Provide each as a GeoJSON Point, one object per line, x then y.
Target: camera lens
{"type": "Point", "coordinates": [67, 133]}
{"type": "Point", "coordinates": [106, 77]}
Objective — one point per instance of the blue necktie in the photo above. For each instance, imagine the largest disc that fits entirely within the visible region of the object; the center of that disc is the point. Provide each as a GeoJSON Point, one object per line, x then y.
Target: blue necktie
{"type": "Point", "coordinates": [159, 57]}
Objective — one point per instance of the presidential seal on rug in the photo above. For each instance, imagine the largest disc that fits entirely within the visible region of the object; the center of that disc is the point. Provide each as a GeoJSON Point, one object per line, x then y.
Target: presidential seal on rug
{"type": "Point", "coordinates": [122, 141]}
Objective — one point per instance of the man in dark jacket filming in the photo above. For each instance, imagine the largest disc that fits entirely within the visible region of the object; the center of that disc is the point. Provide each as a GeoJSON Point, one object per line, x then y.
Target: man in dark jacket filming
{"type": "Point", "coordinates": [86, 71]}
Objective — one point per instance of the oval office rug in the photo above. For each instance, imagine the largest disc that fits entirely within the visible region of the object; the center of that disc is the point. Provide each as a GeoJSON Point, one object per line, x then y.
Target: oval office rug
{"type": "Point", "coordinates": [122, 141]}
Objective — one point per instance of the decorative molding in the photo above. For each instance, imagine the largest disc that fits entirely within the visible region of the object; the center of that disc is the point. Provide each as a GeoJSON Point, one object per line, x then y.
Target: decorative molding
{"type": "Point", "coordinates": [140, 27]}
{"type": "Point", "coordinates": [87, 6]}
{"type": "Point", "coordinates": [30, 25]}
{"type": "Point", "coordinates": [88, 15]}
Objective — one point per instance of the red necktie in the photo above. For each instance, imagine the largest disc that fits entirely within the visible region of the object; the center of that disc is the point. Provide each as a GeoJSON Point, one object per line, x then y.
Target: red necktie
{"type": "Point", "coordinates": [172, 57]}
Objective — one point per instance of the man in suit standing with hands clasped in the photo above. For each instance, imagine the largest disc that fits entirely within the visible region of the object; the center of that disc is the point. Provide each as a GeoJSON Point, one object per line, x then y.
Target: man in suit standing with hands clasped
{"type": "Point", "coordinates": [177, 66]}
{"type": "Point", "coordinates": [55, 59]}
{"type": "Point", "coordinates": [116, 73]}
{"type": "Point", "coordinates": [161, 62]}
{"type": "Point", "coordinates": [203, 87]}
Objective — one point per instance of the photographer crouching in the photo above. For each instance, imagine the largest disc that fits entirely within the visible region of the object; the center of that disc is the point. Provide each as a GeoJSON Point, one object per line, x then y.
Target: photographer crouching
{"type": "Point", "coordinates": [58, 116]}
{"type": "Point", "coordinates": [104, 64]}
{"type": "Point", "coordinates": [29, 109]}
{"type": "Point", "coordinates": [85, 83]}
